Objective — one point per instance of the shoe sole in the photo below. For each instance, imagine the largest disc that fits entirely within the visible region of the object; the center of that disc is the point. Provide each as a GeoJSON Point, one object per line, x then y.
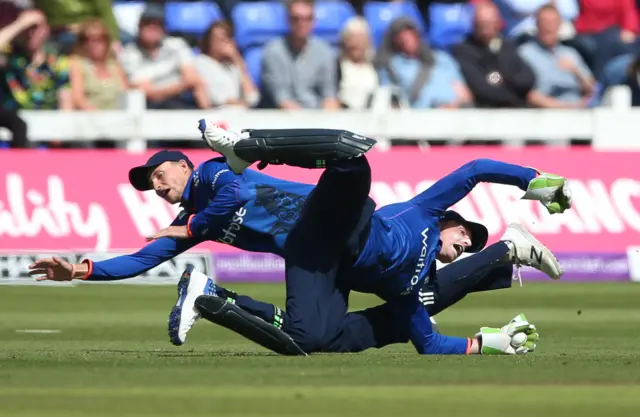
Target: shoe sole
{"type": "Point", "coordinates": [176, 311]}
{"type": "Point", "coordinates": [236, 163]}
{"type": "Point", "coordinates": [531, 239]}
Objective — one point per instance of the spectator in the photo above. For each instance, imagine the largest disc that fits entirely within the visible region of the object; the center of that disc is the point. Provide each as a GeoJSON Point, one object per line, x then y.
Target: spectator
{"type": "Point", "coordinates": [618, 71]}
{"type": "Point", "coordinates": [425, 78]}
{"type": "Point", "coordinates": [162, 66]}
{"type": "Point", "coordinates": [357, 78]}
{"type": "Point", "coordinates": [34, 76]}
{"type": "Point", "coordinates": [65, 18]}
{"type": "Point", "coordinates": [299, 71]}
{"type": "Point", "coordinates": [520, 16]}
{"type": "Point", "coordinates": [605, 29]}
{"type": "Point", "coordinates": [632, 80]}
{"type": "Point", "coordinates": [97, 79]}
{"type": "Point", "coordinates": [496, 74]}
{"type": "Point", "coordinates": [562, 78]}
{"type": "Point", "coordinates": [223, 69]}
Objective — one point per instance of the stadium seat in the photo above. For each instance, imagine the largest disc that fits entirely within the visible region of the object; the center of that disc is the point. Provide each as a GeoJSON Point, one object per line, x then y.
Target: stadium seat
{"type": "Point", "coordinates": [191, 18]}
{"type": "Point", "coordinates": [127, 14]}
{"type": "Point", "coordinates": [330, 17]}
{"type": "Point", "coordinates": [380, 15]}
{"type": "Point", "coordinates": [253, 60]}
{"type": "Point", "coordinates": [257, 23]}
{"type": "Point", "coordinates": [449, 24]}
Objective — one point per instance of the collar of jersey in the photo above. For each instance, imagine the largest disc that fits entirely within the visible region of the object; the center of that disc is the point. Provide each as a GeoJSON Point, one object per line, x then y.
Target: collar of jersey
{"type": "Point", "coordinates": [186, 200]}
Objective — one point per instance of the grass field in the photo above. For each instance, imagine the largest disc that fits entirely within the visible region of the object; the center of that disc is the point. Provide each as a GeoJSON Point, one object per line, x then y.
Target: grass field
{"type": "Point", "coordinates": [111, 357]}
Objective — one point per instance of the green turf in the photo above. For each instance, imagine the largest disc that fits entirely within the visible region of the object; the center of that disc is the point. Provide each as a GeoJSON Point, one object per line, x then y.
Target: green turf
{"type": "Point", "coordinates": [112, 358]}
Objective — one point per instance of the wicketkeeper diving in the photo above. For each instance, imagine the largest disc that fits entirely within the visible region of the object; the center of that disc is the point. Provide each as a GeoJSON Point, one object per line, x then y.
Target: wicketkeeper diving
{"type": "Point", "coordinates": [333, 241]}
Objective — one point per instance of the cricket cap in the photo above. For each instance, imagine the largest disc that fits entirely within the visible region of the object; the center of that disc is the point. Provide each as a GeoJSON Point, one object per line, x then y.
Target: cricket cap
{"type": "Point", "coordinates": [139, 176]}
{"type": "Point", "coordinates": [152, 13]}
{"type": "Point", "coordinates": [479, 233]}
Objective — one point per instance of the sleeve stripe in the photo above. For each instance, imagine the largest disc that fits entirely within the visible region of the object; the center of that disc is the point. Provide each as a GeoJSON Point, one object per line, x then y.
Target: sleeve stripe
{"type": "Point", "coordinates": [90, 271]}
{"type": "Point", "coordinates": [469, 344]}
{"type": "Point", "coordinates": [189, 233]}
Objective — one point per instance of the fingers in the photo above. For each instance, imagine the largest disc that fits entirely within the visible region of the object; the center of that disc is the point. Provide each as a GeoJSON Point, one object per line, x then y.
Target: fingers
{"type": "Point", "coordinates": [62, 262]}
{"type": "Point", "coordinates": [40, 263]}
{"type": "Point", "coordinates": [39, 271]}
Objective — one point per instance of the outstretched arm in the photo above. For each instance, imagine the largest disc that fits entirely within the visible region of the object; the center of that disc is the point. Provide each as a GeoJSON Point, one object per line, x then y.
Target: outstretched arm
{"type": "Point", "coordinates": [455, 186]}
{"type": "Point", "coordinates": [517, 337]}
{"type": "Point", "coordinates": [120, 267]}
{"type": "Point", "coordinates": [427, 342]}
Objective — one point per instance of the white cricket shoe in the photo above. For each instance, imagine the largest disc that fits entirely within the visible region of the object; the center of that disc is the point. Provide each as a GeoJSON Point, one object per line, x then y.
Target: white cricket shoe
{"type": "Point", "coordinates": [222, 141]}
{"type": "Point", "coordinates": [527, 250]}
{"type": "Point", "coordinates": [184, 315]}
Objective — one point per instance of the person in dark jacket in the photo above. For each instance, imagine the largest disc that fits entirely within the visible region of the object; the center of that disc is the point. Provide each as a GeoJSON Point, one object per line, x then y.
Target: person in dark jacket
{"type": "Point", "coordinates": [495, 73]}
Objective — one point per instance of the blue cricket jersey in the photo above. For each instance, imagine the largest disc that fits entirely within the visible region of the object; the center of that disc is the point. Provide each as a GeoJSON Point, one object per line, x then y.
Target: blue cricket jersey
{"type": "Point", "coordinates": [255, 212]}
{"type": "Point", "coordinates": [250, 211]}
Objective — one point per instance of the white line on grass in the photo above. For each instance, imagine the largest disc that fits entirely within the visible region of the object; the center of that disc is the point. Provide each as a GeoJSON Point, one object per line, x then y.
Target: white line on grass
{"type": "Point", "coordinates": [42, 331]}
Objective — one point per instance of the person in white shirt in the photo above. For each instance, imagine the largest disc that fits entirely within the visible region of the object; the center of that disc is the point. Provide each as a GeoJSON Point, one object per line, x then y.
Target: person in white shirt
{"type": "Point", "coordinates": [357, 77]}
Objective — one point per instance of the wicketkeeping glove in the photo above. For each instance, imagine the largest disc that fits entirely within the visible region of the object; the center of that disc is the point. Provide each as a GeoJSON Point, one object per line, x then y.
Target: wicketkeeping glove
{"type": "Point", "coordinates": [551, 190]}
{"type": "Point", "coordinates": [518, 337]}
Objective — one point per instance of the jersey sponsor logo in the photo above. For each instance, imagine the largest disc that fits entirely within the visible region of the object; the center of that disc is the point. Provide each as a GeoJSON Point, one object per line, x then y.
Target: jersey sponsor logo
{"type": "Point", "coordinates": [415, 278]}
{"type": "Point", "coordinates": [231, 232]}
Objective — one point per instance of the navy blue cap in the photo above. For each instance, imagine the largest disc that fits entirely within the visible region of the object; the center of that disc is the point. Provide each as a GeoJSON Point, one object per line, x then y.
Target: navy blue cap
{"type": "Point", "coordinates": [139, 176]}
{"type": "Point", "coordinates": [479, 233]}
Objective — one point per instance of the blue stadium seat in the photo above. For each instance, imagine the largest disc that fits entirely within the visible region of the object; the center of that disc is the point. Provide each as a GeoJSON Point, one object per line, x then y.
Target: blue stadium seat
{"type": "Point", "coordinates": [256, 23]}
{"type": "Point", "coordinates": [253, 60]}
{"type": "Point", "coordinates": [330, 17]}
{"type": "Point", "coordinates": [449, 24]}
{"type": "Point", "coordinates": [380, 15]}
{"type": "Point", "coordinates": [192, 18]}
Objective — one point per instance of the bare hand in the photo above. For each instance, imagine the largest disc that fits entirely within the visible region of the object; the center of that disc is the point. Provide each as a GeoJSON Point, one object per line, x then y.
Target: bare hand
{"type": "Point", "coordinates": [30, 18]}
{"type": "Point", "coordinates": [236, 56]}
{"type": "Point", "coordinates": [567, 64]}
{"type": "Point", "coordinates": [177, 232]}
{"type": "Point", "coordinates": [627, 36]}
{"type": "Point", "coordinates": [290, 105]}
{"type": "Point", "coordinates": [54, 269]}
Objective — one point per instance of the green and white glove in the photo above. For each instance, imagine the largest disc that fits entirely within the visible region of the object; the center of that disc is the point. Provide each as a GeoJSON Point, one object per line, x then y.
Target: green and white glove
{"type": "Point", "coordinates": [551, 190]}
{"type": "Point", "coordinates": [518, 337]}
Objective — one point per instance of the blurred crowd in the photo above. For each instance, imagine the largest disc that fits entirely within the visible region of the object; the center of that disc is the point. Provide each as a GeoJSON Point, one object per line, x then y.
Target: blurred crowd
{"type": "Point", "coordinates": [73, 55]}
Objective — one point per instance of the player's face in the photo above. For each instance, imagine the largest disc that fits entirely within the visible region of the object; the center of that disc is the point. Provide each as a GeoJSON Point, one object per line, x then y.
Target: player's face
{"type": "Point", "coordinates": [169, 180]}
{"type": "Point", "coordinates": [456, 238]}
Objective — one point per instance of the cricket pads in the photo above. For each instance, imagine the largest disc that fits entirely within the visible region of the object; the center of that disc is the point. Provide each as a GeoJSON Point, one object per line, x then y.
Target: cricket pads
{"type": "Point", "coordinates": [308, 148]}
{"type": "Point", "coordinates": [219, 311]}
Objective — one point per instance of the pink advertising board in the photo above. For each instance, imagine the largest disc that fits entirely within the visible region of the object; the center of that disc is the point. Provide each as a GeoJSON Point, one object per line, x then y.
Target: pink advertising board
{"type": "Point", "coordinates": [81, 200]}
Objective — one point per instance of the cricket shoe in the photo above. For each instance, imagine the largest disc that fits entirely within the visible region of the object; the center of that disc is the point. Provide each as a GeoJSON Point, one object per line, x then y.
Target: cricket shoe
{"type": "Point", "coordinates": [524, 249]}
{"type": "Point", "coordinates": [184, 314]}
{"type": "Point", "coordinates": [222, 141]}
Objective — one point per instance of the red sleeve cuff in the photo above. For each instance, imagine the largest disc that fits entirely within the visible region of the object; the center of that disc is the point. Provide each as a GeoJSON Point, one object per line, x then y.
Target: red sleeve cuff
{"type": "Point", "coordinates": [469, 344]}
{"type": "Point", "coordinates": [90, 271]}
{"type": "Point", "coordinates": [189, 226]}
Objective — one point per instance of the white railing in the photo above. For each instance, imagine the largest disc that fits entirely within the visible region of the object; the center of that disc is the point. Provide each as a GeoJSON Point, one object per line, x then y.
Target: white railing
{"type": "Point", "coordinates": [608, 128]}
